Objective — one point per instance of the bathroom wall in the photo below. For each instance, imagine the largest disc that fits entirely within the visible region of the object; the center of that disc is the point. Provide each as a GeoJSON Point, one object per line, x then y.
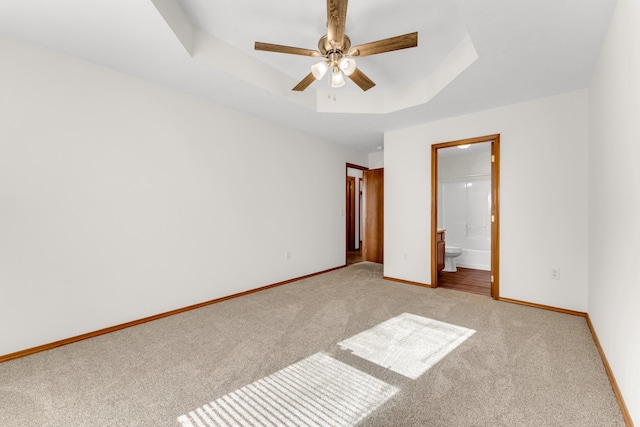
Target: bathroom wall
{"type": "Point", "coordinates": [464, 203]}
{"type": "Point", "coordinates": [466, 163]}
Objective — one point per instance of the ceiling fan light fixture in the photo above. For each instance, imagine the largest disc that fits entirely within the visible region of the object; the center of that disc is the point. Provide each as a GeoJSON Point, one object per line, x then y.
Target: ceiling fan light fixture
{"type": "Point", "coordinates": [319, 70]}
{"type": "Point", "coordinates": [348, 66]}
{"type": "Point", "coordinates": [337, 79]}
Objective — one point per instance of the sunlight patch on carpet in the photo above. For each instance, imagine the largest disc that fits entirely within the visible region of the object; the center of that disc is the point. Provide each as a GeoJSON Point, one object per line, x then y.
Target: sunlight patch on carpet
{"type": "Point", "coordinates": [317, 391]}
{"type": "Point", "coordinates": [407, 344]}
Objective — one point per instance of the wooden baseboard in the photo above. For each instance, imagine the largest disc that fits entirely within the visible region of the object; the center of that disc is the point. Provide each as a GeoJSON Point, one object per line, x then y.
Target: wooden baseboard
{"type": "Point", "coordinates": [424, 285]}
{"type": "Point", "coordinates": [614, 384]}
{"type": "Point", "coordinates": [544, 307]}
{"type": "Point", "coordinates": [44, 347]}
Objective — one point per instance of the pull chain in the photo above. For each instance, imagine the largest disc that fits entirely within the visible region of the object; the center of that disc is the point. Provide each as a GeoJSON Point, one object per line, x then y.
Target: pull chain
{"type": "Point", "coordinates": [329, 88]}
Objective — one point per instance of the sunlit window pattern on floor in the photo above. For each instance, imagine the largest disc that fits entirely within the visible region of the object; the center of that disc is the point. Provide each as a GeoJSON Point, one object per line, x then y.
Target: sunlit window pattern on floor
{"type": "Point", "coordinates": [407, 344]}
{"type": "Point", "coordinates": [317, 391]}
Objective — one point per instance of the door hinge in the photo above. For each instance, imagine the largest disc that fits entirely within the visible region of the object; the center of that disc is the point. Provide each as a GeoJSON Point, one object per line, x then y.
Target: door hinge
{"type": "Point", "coordinates": [493, 218]}
{"type": "Point", "coordinates": [492, 278]}
{"type": "Point", "coordinates": [493, 158]}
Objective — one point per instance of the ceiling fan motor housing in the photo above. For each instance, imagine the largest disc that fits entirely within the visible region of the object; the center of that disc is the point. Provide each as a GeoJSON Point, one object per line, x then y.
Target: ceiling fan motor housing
{"type": "Point", "coordinates": [326, 48]}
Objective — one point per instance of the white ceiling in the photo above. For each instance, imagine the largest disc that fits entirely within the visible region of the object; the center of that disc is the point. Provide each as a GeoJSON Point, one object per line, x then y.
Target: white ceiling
{"type": "Point", "coordinates": [471, 54]}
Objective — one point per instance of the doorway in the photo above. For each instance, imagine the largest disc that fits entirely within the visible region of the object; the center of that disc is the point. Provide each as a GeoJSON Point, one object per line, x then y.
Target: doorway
{"type": "Point", "coordinates": [475, 230]}
{"type": "Point", "coordinates": [354, 213]}
{"type": "Point", "coordinates": [353, 225]}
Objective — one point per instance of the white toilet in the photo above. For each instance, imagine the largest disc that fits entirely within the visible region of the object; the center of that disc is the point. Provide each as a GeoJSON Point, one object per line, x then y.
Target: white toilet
{"type": "Point", "coordinates": [450, 254]}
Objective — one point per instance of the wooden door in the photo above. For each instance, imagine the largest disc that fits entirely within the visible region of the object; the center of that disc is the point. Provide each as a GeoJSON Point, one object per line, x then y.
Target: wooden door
{"type": "Point", "coordinates": [373, 241]}
{"type": "Point", "coordinates": [351, 213]}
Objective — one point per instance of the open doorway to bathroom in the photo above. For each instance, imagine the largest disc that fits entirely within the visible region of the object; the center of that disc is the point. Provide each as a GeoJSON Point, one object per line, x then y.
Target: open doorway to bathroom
{"type": "Point", "coordinates": [465, 215]}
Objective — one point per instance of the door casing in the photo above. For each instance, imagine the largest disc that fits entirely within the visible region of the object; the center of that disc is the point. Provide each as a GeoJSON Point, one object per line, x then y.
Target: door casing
{"type": "Point", "coordinates": [495, 207]}
{"type": "Point", "coordinates": [346, 249]}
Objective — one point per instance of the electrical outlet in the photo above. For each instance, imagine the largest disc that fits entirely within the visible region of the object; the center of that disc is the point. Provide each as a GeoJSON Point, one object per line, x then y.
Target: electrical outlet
{"type": "Point", "coordinates": [287, 255]}
{"type": "Point", "coordinates": [555, 273]}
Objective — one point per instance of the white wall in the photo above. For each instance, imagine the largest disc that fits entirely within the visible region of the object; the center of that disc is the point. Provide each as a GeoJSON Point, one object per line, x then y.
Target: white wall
{"type": "Point", "coordinates": [376, 160]}
{"type": "Point", "coordinates": [543, 197]}
{"type": "Point", "coordinates": [614, 200]}
{"type": "Point", "coordinates": [120, 199]}
{"type": "Point", "coordinates": [465, 164]}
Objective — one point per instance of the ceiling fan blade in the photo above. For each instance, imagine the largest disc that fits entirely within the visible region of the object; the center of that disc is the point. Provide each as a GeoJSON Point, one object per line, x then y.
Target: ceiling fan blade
{"type": "Point", "coordinates": [359, 78]}
{"type": "Point", "coordinates": [386, 45]}
{"type": "Point", "coordinates": [336, 18]}
{"type": "Point", "coordinates": [268, 47]}
{"type": "Point", "coordinates": [304, 83]}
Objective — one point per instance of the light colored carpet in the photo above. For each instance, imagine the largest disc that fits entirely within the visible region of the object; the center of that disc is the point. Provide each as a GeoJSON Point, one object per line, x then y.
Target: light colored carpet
{"type": "Point", "coordinates": [521, 367]}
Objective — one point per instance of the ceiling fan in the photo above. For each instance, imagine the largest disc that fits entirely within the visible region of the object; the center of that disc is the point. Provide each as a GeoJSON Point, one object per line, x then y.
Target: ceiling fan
{"type": "Point", "coordinates": [339, 55]}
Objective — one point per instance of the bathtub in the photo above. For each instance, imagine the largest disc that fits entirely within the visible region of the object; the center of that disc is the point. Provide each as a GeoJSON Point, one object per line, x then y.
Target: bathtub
{"type": "Point", "coordinates": [474, 258]}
